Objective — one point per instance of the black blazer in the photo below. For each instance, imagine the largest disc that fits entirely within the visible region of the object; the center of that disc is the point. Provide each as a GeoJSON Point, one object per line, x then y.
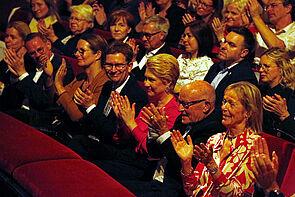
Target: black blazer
{"type": "Point", "coordinates": [240, 72]}
{"type": "Point", "coordinates": [104, 127]}
{"type": "Point", "coordinates": [139, 74]}
{"type": "Point", "coordinates": [199, 132]}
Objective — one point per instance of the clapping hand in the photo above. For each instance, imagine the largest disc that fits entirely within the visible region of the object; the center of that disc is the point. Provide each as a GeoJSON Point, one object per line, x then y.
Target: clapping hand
{"type": "Point", "coordinates": [156, 118]}
{"type": "Point", "coordinates": [15, 61]}
{"type": "Point", "coordinates": [84, 97]}
{"type": "Point", "coordinates": [277, 105]}
{"type": "Point", "coordinates": [219, 28]}
{"type": "Point", "coordinates": [59, 77]}
{"type": "Point", "coordinates": [145, 11]}
{"type": "Point", "coordinates": [183, 149]}
{"type": "Point", "coordinates": [132, 43]}
{"type": "Point", "coordinates": [204, 154]}
{"type": "Point", "coordinates": [187, 18]}
{"type": "Point", "coordinates": [99, 13]}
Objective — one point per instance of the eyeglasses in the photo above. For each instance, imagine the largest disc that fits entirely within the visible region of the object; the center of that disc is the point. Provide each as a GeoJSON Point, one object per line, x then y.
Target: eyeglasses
{"type": "Point", "coordinates": [148, 35]}
{"type": "Point", "coordinates": [186, 105]}
{"type": "Point", "coordinates": [204, 4]}
{"type": "Point", "coordinates": [119, 66]}
{"type": "Point", "coordinates": [76, 19]}
{"type": "Point", "coordinates": [39, 50]}
{"type": "Point", "coordinates": [272, 5]}
{"type": "Point", "coordinates": [80, 51]}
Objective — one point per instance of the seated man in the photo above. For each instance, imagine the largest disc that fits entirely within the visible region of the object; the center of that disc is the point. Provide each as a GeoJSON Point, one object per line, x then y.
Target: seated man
{"type": "Point", "coordinates": [101, 124]}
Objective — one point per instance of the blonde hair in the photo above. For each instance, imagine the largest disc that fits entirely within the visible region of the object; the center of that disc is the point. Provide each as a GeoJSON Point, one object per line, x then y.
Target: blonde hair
{"type": "Point", "coordinates": [85, 10]}
{"type": "Point", "coordinates": [22, 28]}
{"type": "Point", "coordinates": [241, 4]}
{"type": "Point", "coordinates": [282, 60]}
{"type": "Point", "coordinates": [250, 97]}
{"type": "Point", "coordinates": [165, 67]}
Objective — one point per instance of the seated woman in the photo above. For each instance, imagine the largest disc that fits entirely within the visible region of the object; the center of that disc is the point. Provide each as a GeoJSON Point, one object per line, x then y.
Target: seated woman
{"type": "Point", "coordinates": [121, 25]}
{"type": "Point", "coordinates": [277, 77]}
{"type": "Point", "coordinates": [89, 51]}
{"type": "Point", "coordinates": [45, 16]}
{"type": "Point", "coordinates": [80, 23]}
{"type": "Point", "coordinates": [160, 78]}
{"type": "Point", "coordinates": [224, 167]}
{"type": "Point", "coordinates": [194, 65]}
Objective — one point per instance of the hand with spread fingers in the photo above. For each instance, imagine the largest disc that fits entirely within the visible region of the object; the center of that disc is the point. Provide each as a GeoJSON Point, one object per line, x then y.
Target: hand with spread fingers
{"type": "Point", "coordinates": [183, 149]}
{"type": "Point", "coordinates": [264, 169]}
{"type": "Point", "coordinates": [15, 62]}
{"type": "Point", "coordinates": [156, 118]}
{"type": "Point", "coordinates": [85, 98]}
{"type": "Point", "coordinates": [99, 13]}
{"type": "Point", "coordinates": [204, 154]}
{"type": "Point", "coordinates": [218, 28]}
{"type": "Point", "coordinates": [277, 105]}
{"type": "Point", "coordinates": [132, 43]}
{"type": "Point", "coordinates": [187, 18]}
{"type": "Point", "coordinates": [59, 77]}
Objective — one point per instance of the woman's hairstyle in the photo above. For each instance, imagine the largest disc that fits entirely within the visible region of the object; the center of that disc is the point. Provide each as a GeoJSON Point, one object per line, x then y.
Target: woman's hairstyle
{"type": "Point", "coordinates": [22, 28]}
{"type": "Point", "coordinates": [250, 97]}
{"type": "Point", "coordinates": [282, 60]}
{"type": "Point", "coordinates": [240, 4]}
{"type": "Point", "coordinates": [85, 10]}
{"type": "Point", "coordinates": [96, 42]}
{"type": "Point", "coordinates": [124, 15]}
{"type": "Point", "coordinates": [166, 68]}
{"type": "Point", "coordinates": [203, 34]}
{"type": "Point", "coordinates": [52, 8]}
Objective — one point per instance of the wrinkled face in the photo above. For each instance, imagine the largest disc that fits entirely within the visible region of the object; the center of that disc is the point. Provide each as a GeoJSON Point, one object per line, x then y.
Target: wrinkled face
{"type": "Point", "coordinates": [233, 16]}
{"type": "Point", "coordinates": [155, 88]}
{"type": "Point", "coordinates": [193, 112]}
{"type": "Point", "coordinates": [39, 8]}
{"type": "Point", "coordinates": [190, 42]}
{"type": "Point", "coordinates": [78, 23]}
{"type": "Point", "coordinates": [234, 115]}
{"type": "Point", "coordinates": [13, 40]}
{"type": "Point", "coordinates": [84, 54]}
{"type": "Point", "coordinates": [276, 10]}
{"type": "Point", "coordinates": [270, 73]}
{"type": "Point", "coordinates": [152, 38]}
{"type": "Point", "coordinates": [233, 48]}
{"type": "Point", "coordinates": [37, 48]}
{"type": "Point", "coordinates": [203, 7]}
{"type": "Point", "coordinates": [117, 68]}
{"type": "Point", "coordinates": [120, 29]}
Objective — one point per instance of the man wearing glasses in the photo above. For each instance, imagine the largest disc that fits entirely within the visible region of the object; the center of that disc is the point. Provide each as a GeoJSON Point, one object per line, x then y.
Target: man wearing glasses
{"type": "Point", "coordinates": [281, 31]}
{"type": "Point", "coordinates": [153, 33]}
{"type": "Point", "coordinates": [104, 137]}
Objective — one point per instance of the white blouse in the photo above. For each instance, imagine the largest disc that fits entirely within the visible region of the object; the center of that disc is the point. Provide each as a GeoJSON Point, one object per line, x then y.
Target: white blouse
{"type": "Point", "coordinates": [191, 70]}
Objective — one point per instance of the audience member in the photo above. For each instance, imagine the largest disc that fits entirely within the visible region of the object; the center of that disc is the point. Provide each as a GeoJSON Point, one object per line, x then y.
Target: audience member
{"type": "Point", "coordinates": [236, 55]}
{"type": "Point", "coordinates": [281, 31]}
{"type": "Point", "coordinates": [45, 16]}
{"type": "Point", "coordinates": [154, 31]}
{"type": "Point", "coordinates": [198, 42]}
{"type": "Point", "coordinates": [80, 23]}
{"type": "Point", "coordinates": [277, 77]}
{"type": "Point", "coordinates": [224, 166]}
{"type": "Point", "coordinates": [87, 86]}
{"type": "Point", "coordinates": [101, 138]}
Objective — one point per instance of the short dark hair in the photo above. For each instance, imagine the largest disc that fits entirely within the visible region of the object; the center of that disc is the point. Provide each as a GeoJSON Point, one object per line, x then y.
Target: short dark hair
{"type": "Point", "coordinates": [249, 41]}
{"type": "Point", "coordinates": [31, 36]}
{"type": "Point", "coordinates": [120, 47]}
{"type": "Point", "coordinates": [118, 14]}
{"type": "Point", "coordinates": [292, 3]}
{"type": "Point", "coordinates": [203, 34]}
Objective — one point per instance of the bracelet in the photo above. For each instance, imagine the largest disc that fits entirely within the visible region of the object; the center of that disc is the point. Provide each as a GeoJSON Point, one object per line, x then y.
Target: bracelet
{"type": "Point", "coordinates": [185, 175]}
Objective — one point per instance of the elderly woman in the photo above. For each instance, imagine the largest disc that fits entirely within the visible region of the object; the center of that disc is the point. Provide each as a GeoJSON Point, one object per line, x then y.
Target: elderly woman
{"type": "Point", "coordinates": [277, 77]}
{"type": "Point", "coordinates": [121, 24]}
{"type": "Point", "coordinates": [198, 42]}
{"type": "Point", "coordinates": [45, 16]}
{"type": "Point", "coordinates": [160, 78]}
{"type": "Point", "coordinates": [89, 51]}
{"type": "Point", "coordinates": [80, 22]}
{"type": "Point", "coordinates": [224, 167]}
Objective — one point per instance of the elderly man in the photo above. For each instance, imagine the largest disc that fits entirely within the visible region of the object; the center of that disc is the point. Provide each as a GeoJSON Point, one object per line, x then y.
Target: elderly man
{"type": "Point", "coordinates": [153, 31]}
{"type": "Point", "coordinates": [236, 55]}
{"type": "Point", "coordinates": [282, 31]}
{"type": "Point", "coordinates": [198, 119]}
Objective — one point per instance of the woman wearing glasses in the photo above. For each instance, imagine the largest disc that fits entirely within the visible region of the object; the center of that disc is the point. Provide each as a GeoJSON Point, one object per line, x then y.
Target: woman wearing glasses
{"type": "Point", "coordinates": [80, 23]}
{"type": "Point", "coordinates": [224, 167]}
{"type": "Point", "coordinates": [89, 51]}
{"type": "Point", "coordinates": [277, 77]}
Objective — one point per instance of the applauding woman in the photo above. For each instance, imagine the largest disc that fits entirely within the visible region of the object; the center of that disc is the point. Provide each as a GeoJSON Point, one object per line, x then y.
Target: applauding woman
{"type": "Point", "coordinates": [277, 77]}
{"type": "Point", "coordinates": [160, 78]}
{"type": "Point", "coordinates": [224, 167]}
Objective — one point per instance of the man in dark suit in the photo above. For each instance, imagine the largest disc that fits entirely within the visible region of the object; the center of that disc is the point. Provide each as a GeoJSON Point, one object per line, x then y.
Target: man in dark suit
{"type": "Point", "coordinates": [102, 139]}
{"type": "Point", "coordinates": [236, 55]}
{"type": "Point", "coordinates": [198, 119]}
{"type": "Point", "coordinates": [153, 31]}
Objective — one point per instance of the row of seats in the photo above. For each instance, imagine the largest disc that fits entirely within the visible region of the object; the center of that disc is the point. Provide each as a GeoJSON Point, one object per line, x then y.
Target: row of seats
{"type": "Point", "coordinates": [43, 167]}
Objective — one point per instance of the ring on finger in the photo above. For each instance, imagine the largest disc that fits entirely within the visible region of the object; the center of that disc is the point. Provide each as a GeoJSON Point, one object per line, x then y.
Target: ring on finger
{"type": "Point", "coordinates": [152, 117]}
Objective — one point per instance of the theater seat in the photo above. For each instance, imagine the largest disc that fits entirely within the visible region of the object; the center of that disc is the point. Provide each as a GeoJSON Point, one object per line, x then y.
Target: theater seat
{"type": "Point", "coordinates": [287, 186]}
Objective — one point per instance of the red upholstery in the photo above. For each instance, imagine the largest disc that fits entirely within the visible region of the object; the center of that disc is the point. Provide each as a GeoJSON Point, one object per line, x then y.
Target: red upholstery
{"type": "Point", "coordinates": [283, 149]}
{"type": "Point", "coordinates": [21, 144]}
{"type": "Point", "coordinates": [287, 186]}
{"type": "Point", "coordinates": [68, 177]}
{"type": "Point", "coordinates": [74, 63]}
